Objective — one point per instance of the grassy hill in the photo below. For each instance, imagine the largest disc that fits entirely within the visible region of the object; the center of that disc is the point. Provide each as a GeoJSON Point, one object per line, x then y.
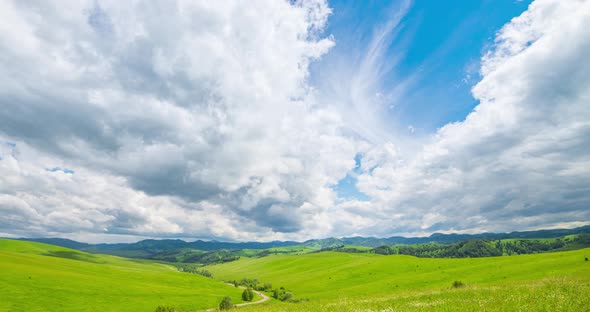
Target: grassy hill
{"type": "Point", "coordinates": [40, 277]}
{"type": "Point", "coordinates": [352, 282]}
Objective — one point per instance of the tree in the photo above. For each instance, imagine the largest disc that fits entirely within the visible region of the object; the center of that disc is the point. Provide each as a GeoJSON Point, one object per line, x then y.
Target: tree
{"type": "Point", "coordinates": [458, 284]}
{"type": "Point", "coordinates": [247, 294]}
{"type": "Point", "coordinates": [225, 304]}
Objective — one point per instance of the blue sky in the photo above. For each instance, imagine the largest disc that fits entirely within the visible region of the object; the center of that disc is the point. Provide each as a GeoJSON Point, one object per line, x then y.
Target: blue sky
{"type": "Point", "coordinates": [439, 45]}
{"type": "Point", "coordinates": [441, 42]}
{"type": "Point", "coordinates": [291, 120]}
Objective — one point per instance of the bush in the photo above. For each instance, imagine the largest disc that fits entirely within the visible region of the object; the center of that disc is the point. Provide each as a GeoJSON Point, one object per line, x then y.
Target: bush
{"type": "Point", "coordinates": [281, 294]}
{"type": "Point", "coordinates": [225, 304]}
{"type": "Point", "coordinates": [458, 284]}
{"type": "Point", "coordinates": [251, 283]}
{"type": "Point", "coordinates": [248, 294]}
{"type": "Point", "coordinates": [165, 309]}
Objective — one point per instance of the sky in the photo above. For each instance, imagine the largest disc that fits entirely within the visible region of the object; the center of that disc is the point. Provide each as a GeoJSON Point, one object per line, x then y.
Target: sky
{"type": "Point", "coordinates": [290, 120]}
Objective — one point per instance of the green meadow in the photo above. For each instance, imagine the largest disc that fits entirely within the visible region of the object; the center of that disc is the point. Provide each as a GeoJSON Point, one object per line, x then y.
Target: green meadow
{"type": "Point", "coordinates": [331, 281]}
{"type": "Point", "coordinates": [40, 277]}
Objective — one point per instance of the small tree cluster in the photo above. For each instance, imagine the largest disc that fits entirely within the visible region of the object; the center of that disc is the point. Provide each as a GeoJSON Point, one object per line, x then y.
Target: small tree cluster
{"type": "Point", "coordinates": [248, 294]}
{"type": "Point", "coordinates": [205, 273]}
{"type": "Point", "coordinates": [225, 304]}
{"type": "Point", "coordinates": [281, 294]}
{"type": "Point", "coordinates": [165, 309]}
{"type": "Point", "coordinates": [251, 283]}
{"type": "Point", "coordinates": [194, 270]}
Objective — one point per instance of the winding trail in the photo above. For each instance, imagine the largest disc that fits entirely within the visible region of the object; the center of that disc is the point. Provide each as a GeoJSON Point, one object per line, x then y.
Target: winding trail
{"type": "Point", "coordinates": [264, 299]}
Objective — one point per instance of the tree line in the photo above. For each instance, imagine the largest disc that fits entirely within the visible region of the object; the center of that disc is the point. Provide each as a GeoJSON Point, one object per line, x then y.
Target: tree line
{"type": "Point", "coordinates": [485, 247]}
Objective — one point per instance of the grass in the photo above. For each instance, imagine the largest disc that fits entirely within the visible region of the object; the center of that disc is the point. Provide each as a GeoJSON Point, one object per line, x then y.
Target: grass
{"type": "Point", "coordinates": [40, 277]}
{"type": "Point", "coordinates": [369, 282]}
{"type": "Point", "coordinates": [543, 295]}
{"type": "Point", "coordinates": [297, 249]}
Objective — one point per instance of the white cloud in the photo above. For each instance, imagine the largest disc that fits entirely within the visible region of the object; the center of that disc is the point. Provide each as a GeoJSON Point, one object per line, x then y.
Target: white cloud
{"type": "Point", "coordinates": [201, 124]}
{"type": "Point", "coordinates": [517, 161]}
{"type": "Point", "coordinates": [204, 124]}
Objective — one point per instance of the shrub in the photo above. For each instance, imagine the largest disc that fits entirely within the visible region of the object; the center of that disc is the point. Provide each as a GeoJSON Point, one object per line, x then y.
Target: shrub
{"type": "Point", "coordinates": [281, 294]}
{"type": "Point", "coordinates": [225, 304]}
{"type": "Point", "coordinates": [251, 283]}
{"type": "Point", "coordinates": [287, 296]}
{"type": "Point", "coordinates": [165, 309]}
{"type": "Point", "coordinates": [458, 284]}
{"type": "Point", "coordinates": [247, 294]}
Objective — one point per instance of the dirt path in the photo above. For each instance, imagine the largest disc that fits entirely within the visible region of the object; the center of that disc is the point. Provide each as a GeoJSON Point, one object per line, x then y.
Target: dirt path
{"type": "Point", "coordinates": [264, 299]}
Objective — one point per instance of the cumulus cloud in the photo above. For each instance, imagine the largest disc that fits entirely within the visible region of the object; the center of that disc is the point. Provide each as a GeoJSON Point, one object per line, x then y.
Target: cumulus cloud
{"type": "Point", "coordinates": [197, 119]}
{"type": "Point", "coordinates": [520, 159]}
{"type": "Point", "coordinates": [171, 117]}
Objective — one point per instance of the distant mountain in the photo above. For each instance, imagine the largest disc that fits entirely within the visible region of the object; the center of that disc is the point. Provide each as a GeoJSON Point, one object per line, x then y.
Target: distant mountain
{"type": "Point", "coordinates": [151, 247]}
{"type": "Point", "coordinates": [63, 242]}
{"type": "Point", "coordinates": [440, 238]}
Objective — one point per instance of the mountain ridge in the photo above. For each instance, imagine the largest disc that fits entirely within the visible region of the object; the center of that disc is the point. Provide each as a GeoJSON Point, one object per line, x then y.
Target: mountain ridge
{"type": "Point", "coordinates": [152, 246]}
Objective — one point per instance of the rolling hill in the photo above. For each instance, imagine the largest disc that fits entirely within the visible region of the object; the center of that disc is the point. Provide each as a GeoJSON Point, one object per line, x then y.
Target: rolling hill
{"type": "Point", "coordinates": [41, 277]}
{"type": "Point", "coordinates": [353, 282]}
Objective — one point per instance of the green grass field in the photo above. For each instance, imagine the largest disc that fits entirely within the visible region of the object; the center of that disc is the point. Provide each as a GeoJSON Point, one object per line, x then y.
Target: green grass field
{"type": "Point", "coordinates": [368, 282]}
{"type": "Point", "coordinates": [40, 277]}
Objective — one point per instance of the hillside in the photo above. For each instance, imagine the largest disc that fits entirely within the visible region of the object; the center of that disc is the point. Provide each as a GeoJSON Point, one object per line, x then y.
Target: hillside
{"type": "Point", "coordinates": [439, 238]}
{"type": "Point", "coordinates": [40, 277]}
{"type": "Point", "coordinates": [155, 248]}
{"type": "Point", "coordinates": [346, 282]}
{"type": "Point", "coordinates": [482, 247]}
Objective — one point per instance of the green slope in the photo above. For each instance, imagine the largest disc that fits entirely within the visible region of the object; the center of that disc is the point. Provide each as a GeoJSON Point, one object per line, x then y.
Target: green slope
{"type": "Point", "coordinates": [40, 277]}
{"type": "Point", "coordinates": [340, 281]}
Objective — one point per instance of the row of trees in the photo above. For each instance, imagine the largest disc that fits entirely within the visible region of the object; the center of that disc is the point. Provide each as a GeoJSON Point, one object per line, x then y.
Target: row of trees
{"type": "Point", "coordinates": [194, 270]}
{"type": "Point", "coordinates": [216, 256]}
